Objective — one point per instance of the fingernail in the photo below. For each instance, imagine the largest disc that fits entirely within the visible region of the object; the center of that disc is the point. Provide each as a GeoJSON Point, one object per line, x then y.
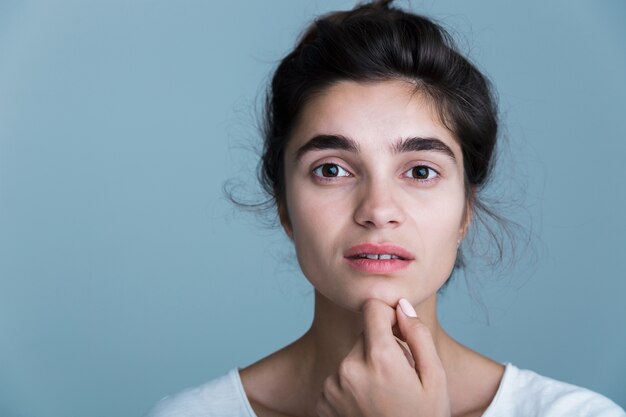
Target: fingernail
{"type": "Point", "coordinates": [407, 308]}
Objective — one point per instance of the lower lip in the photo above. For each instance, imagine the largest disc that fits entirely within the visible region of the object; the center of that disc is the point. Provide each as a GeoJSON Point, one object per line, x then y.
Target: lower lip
{"type": "Point", "coordinates": [377, 266]}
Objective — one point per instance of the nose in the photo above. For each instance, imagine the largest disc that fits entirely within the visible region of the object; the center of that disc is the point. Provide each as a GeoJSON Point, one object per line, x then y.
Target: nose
{"type": "Point", "coordinates": [377, 206]}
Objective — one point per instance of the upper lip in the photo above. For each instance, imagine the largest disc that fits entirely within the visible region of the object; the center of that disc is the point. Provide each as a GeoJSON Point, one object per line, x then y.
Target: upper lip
{"type": "Point", "coordinates": [378, 249]}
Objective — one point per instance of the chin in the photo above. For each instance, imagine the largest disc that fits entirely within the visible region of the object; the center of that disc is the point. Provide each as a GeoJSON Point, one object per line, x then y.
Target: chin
{"type": "Point", "coordinates": [353, 290]}
{"type": "Point", "coordinates": [391, 293]}
{"type": "Point", "coordinates": [384, 291]}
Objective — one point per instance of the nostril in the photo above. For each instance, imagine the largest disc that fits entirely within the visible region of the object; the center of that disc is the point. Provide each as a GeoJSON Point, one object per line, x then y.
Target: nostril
{"type": "Point", "coordinates": [378, 209]}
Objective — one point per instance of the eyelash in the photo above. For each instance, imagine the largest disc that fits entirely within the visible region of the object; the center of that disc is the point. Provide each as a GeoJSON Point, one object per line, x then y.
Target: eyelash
{"type": "Point", "coordinates": [317, 172]}
{"type": "Point", "coordinates": [426, 180]}
{"type": "Point", "coordinates": [321, 177]}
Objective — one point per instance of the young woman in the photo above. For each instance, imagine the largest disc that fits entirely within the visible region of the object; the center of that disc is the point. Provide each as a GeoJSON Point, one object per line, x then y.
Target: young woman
{"type": "Point", "coordinates": [379, 138]}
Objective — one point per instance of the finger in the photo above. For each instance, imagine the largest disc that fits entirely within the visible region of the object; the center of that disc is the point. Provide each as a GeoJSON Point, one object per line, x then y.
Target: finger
{"type": "Point", "coordinates": [396, 331]}
{"type": "Point", "coordinates": [407, 352]}
{"type": "Point", "coordinates": [417, 335]}
{"type": "Point", "coordinates": [332, 399]}
{"type": "Point", "coordinates": [323, 407]}
{"type": "Point", "coordinates": [357, 352]}
{"type": "Point", "coordinates": [379, 319]}
{"type": "Point", "coordinates": [331, 391]}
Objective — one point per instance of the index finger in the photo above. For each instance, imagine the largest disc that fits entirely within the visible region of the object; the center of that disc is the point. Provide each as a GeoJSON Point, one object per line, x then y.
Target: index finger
{"type": "Point", "coordinates": [379, 319]}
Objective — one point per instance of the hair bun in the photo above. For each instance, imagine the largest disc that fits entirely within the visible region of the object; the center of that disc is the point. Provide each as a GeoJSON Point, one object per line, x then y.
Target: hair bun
{"type": "Point", "coordinates": [383, 4]}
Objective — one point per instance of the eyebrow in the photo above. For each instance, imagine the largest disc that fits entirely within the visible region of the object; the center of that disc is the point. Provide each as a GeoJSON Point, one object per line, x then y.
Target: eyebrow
{"type": "Point", "coordinates": [424, 144]}
{"type": "Point", "coordinates": [321, 142]}
{"type": "Point", "coordinates": [414, 144]}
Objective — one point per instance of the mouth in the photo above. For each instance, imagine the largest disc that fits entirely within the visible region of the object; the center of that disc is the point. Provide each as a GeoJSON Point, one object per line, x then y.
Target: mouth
{"type": "Point", "coordinates": [378, 258]}
{"type": "Point", "coordinates": [378, 251]}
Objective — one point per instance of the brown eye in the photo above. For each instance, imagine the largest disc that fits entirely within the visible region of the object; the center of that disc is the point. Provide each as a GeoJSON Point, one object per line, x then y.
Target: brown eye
{"type": "Point", "coordinates": [330, 170]}
{"type": "Point", "coordinates": [422, 173]}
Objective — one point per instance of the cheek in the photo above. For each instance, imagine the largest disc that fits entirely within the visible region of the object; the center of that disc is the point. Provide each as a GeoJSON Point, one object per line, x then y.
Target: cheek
{"type": "Point", "coordinates": [312, 210]}
{"type": "Point", "coordinates": [308, 231]}
{"type": "Point", "coordinates": [314, 226]}
{"type": "Point", "coordinates": [317, 221]}
{"type": "Point", "coordinates": [306, 219]}
{"type": "Point", "coordinates": [440, 226]}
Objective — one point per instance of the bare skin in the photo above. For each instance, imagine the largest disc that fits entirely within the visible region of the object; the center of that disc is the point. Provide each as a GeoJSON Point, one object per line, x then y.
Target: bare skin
{"type": "Point", "coordinates": [289, 381]}
{"type": "Point", "coordinates": [382, 185]}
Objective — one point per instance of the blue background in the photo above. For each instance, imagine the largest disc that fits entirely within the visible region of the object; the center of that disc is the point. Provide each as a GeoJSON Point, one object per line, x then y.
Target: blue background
{"type": "Point", "coordinates": [125, 275]}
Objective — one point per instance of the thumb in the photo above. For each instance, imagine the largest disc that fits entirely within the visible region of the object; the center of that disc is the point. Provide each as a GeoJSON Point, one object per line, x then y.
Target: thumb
{"type": "Point", "coordinates": [417, 335]}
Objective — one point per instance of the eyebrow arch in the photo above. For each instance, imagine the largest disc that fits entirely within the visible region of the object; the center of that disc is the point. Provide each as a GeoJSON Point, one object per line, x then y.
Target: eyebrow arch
{"type": "Point", "coordinates": [414, 144]}
{"type": "Point", "coordinates": [423, 144]}
{"type": "Point", "coordinates": [321, 142]}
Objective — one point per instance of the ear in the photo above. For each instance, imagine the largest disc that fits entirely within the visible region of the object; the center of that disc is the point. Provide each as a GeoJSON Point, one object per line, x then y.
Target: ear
{"type": "Point", "coordinates": [284, 219]}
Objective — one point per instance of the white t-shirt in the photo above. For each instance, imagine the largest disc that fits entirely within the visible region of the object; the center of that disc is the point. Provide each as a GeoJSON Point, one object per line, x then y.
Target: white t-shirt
{"type": "Point", "coordinates": [521, 393]}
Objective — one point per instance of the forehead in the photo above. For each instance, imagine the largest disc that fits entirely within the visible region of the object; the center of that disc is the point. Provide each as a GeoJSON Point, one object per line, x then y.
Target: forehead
{"type": "Point", "coordinates": [373, 113]}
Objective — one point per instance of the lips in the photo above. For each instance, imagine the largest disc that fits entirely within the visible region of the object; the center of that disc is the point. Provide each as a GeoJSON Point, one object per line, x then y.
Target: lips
{"type": "Point", "coordinates": [361, 251]}
{"type": "Point", "coordinates": [378, 259]}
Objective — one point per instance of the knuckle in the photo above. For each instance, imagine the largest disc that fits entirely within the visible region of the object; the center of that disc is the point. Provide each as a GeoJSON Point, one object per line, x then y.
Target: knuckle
{"type": "Point", "coordinates": [381, 355]}
{"type": "Point", "coordinates": [370, 305]}
{"type": "Point", "coordinates": [328, 384]}
{"type": "Point", "coordinates": [347, 370]}
{"type": "Point", "coordinates": [421, 330]}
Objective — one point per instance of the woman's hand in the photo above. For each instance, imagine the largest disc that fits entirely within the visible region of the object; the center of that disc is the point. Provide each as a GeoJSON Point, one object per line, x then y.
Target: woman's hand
{"type": "Point", "coordinates": [376, 379]}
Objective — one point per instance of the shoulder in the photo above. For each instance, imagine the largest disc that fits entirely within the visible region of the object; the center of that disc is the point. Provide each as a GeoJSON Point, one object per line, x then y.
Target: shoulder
{"type": "Point", "coordinates": [221, 397]}
{"type": "Point", "coordinates": [526, 393]}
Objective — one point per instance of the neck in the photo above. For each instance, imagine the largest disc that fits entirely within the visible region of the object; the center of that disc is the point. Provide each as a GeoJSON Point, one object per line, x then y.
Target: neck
{"type": "Point", "coordinates": [335, 330]}
{"type": "Point", "coordinates": [308, 361]}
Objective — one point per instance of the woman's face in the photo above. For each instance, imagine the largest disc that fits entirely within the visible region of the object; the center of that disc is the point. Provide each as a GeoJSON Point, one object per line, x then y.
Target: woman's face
{"type": "Point", "coordinates": [375, 201]}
